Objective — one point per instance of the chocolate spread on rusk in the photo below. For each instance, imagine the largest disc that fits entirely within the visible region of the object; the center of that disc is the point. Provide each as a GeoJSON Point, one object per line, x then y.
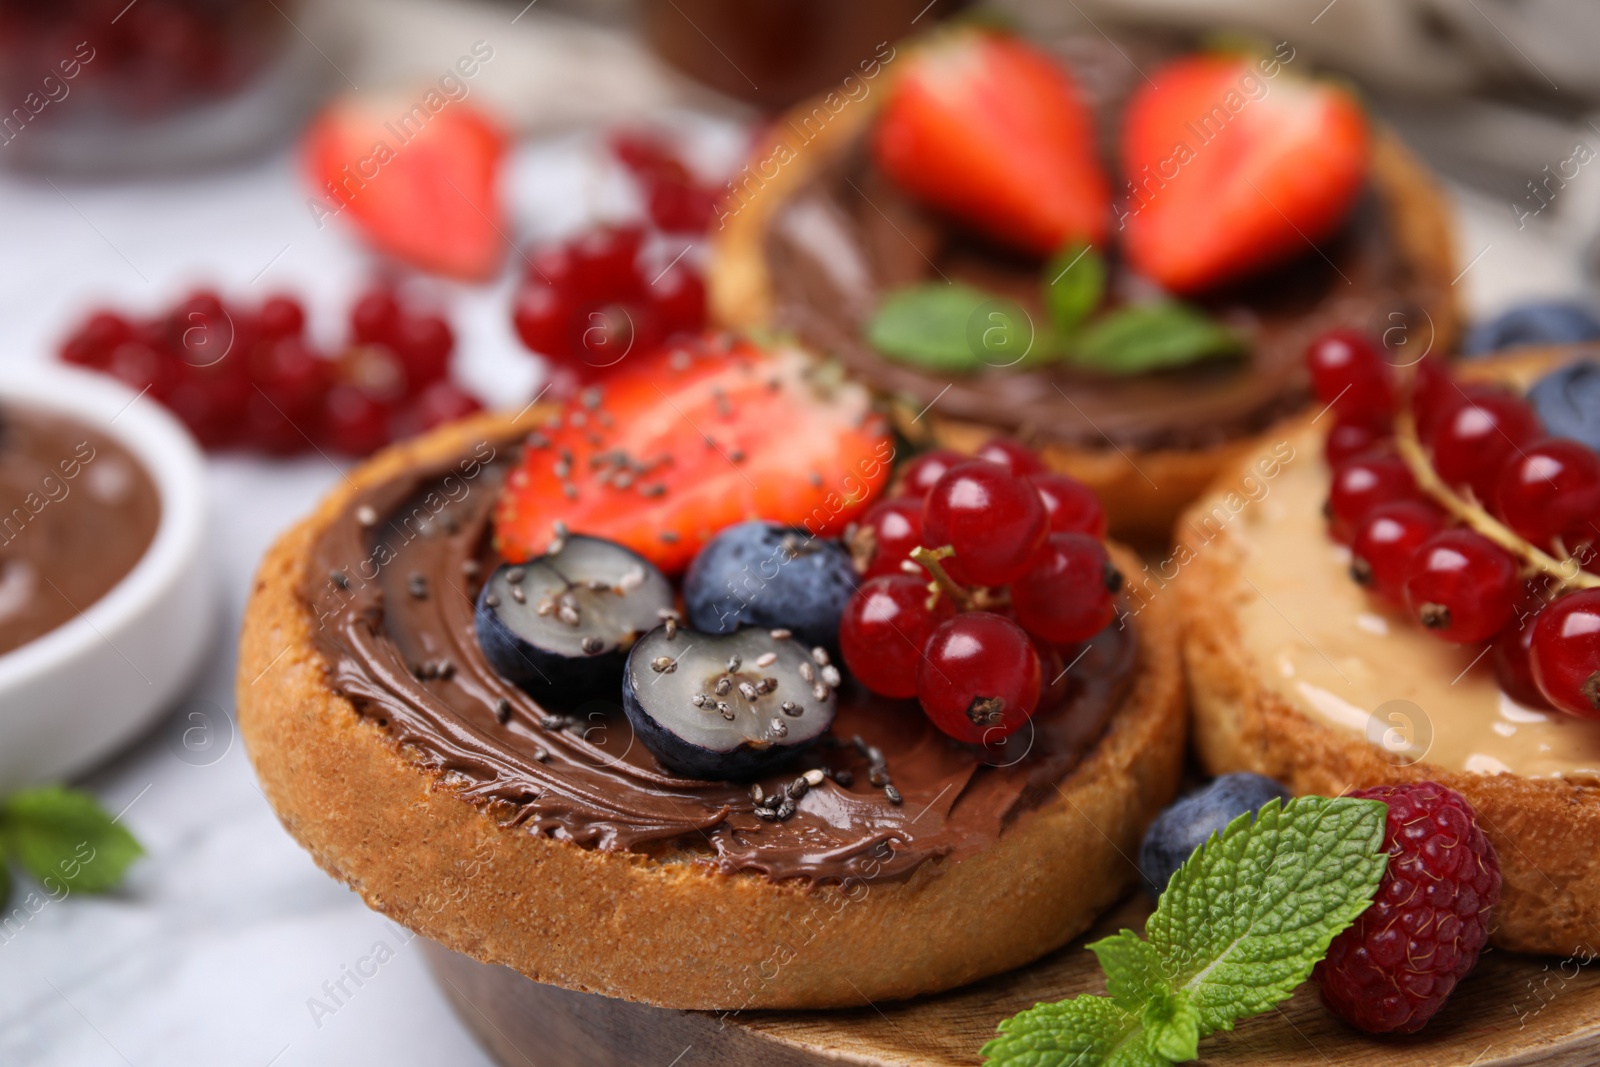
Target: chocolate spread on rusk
{"type": "Point", "coordinates": [392, 581]}
{"type": "Point", "coordinates": [848, 237]}
{"type": "Point", "coordinates": [77, 512]}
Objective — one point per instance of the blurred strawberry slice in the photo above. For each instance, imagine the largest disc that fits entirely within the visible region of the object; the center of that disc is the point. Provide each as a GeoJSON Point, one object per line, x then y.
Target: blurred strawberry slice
{"type": "Point", "coordinates": [992, 130]}
{"type": "Point", "coordinates": [427, 196]}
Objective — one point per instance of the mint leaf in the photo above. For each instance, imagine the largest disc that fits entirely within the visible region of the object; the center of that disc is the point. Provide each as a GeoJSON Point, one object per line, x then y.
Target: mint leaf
{"type": "Point", "coordinates": [1171, 1026]}
{"type": "Point", "coordinates": [1073, 1033]}
{"type": "Point", "coordinates": [64, 835]}
{"type": "Point", "coordinates": [1147, 337]}
{"type": "Point", "coordinates": [1133, 969]}
{"type": "Point", "coordinates": [1240, 925]}
{"type": "Point", "coordinates": [1250, 913]}
{"type": "Point", "coordinates": [1074, 282]}
{"type": "Point", "coordinates": [927, 325]}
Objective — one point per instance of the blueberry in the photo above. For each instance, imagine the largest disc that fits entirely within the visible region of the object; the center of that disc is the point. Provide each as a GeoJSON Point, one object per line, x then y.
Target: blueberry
{"type": "Point", "coordinates": [1546, 323]}
{"type": "Point", "coordinates": [1186, 825]}
{"type": "Point", "coordinates": [561, 626]}
{"type": "Point", "coordinates": [1568, 402]}
{"type": "Point", "coordinates": [760, 574]}
{"type": "Point", "coordinates": [725, 706]}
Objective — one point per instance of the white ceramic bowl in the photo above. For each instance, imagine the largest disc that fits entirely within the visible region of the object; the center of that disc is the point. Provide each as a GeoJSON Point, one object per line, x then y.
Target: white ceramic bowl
{"type": "Point", "coordinates": [73, 696]}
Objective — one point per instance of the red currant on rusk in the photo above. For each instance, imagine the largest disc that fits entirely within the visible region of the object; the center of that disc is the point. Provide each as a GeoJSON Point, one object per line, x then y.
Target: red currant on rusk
{"type": "Point", "coordinates": [979, 678]}
{"type": "Point", "coordinates": [1069, 505]}
{"type": "Point", "coordinates": [993, 520]}
{"type": "Point", "coordinates": [1476, 433]}
{"type": "Point", "coordinates": [885, 536]}
{"type": "Point", "coordinates": [1549, 490]}
{"type": "Point", "coordinates": [1385, 540]}
{"type": "Point", "coordinates": [1360, 484]}
{"type": "Point", "coordinates": [926, 468]}
{"type": "Point", "coordinates": [1351, 437]}
{"type": "Point", "coordinates": [1067, 595]}
{"type": "Point", "coordinates": [1565, 653]}
{"type": "Point", "coordinates": [1347, 373]}
{"type": "Point", "coordinates": [1462, 586]}
{"type": "Point", "coordinates": [1011, 454]}
{"type": "Point", "coordinates": [884, 628]}
{"type": "Point", "coordinates": [1513, 662]}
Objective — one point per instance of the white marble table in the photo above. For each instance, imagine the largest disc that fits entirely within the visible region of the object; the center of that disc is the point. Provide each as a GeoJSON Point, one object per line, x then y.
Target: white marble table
{"type": "Point", "coordinates": [227, 946]}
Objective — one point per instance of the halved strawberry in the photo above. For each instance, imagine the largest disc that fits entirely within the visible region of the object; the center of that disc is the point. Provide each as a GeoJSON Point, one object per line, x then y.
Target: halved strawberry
{"type": "Point", "coordinates": [993, 131]}
{"type": "Point", "coordinates": [692, 439]}
{"type": "Point", "coordinates": [419, 184]}
{"type": "Point", "coordinates": [1230, 172]}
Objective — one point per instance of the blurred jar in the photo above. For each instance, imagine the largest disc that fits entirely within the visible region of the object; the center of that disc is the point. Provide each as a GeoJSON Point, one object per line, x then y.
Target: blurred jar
{"type": "Point", "coordinates": [109, 86]}
{"type": "Point", "coordinates": [775, 52]}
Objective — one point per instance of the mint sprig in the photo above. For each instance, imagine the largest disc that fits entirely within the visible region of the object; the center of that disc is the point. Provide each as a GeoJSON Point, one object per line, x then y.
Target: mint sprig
{"type": "Point", "coordinates": [1240, 925]}
{"type": "Point", "coordinates": [63, 837]}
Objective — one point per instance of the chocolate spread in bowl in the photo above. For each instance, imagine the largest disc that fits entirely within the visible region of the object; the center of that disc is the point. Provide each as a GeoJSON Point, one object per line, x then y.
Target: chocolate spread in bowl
{"type": "Point", "coordinates": [77, 512]}
{"type": "Point", "coordinates": [849, 237]}
{"type": "Point", "coordinates": [392, 581]}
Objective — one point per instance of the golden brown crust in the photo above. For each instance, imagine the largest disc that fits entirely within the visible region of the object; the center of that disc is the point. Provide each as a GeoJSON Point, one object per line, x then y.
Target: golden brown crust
{"type": "Point", "coordinates": [1142, 490]}
{"type": "Point", "coordinates": [1546, 830]}
{"type": "Point", "coordinates": [677, 934]}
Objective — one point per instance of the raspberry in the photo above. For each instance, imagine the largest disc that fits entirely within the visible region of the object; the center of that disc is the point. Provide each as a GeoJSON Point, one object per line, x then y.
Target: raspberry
{"type": "Point", "coordinates": [1394, 968]}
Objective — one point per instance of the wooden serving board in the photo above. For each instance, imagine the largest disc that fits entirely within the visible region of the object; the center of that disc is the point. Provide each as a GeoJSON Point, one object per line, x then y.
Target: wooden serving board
{"type": "Point", "coordinates": [1511, 1010]}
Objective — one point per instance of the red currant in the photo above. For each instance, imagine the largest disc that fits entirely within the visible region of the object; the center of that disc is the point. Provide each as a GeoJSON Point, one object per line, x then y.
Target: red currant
{"type": "Point", "coordinates": [1067, 595]}
{"type": "Point", "coordinates": [1512, 659]}
{"type": "Point", "coordinates": [424, 344]}
{"type": "Point", "coordinates": [1549, 490]}
{"type": "Point", "coordinates": [679, 299]}
{"type": "Point", "coordinates": [885, 536]}
{"type": "Point", "coordinates": [93, 344]}
{"type": "Point", "coordinates": [375, 370]}
{"type": "Point", "coordinates": [1350, 437]}
{"type": "Point", "coordinates": [993, 520]}
{"type": "Point", "coordinates": [1385, 540]}
{"type": "Point", "coordinates": [1347, 373]}
{"type": "Point", "coordinates": [291, 374]}
{"type": "Point", "coordinates": [141, 365]}
{"type": "Point", "coordinates": [1013, 455]}
{"type": "Point", "coordinates": [883, 630]}
{"type": "Point", "coordinates": [1431, 391]}
{"type": "Point", "coordinates": [979, 678]}
{"type": "Point", "coordinates": [439, 403]}
{"type": "Point", "coordinates": [926, 468]}
{"type": "Point", "coordinates": [680, 207]}
{"type": "Point", "coordinates": [1069, 505]}
{"type": "Point", "coordinates": [354, 422]}
{"type": "Point", "coordinates": [605, 264]}
{"type": "Point", "coordinates": [269, 428]}
{"type": "Point", "coordinates": [1462, 586]}
{"type": "Point", "coordinates": [1476, 433]}
{"type": "Point", "coordinates": [281, 316]}
{"type": "Point", "coordinates": [540, 315]}
{"type": "Point", "coordinates": [374, 316]}
{"type": "Point", "coordinates": [1360, 484]}
{"type": "Point", "coordinates": [1565, 653]}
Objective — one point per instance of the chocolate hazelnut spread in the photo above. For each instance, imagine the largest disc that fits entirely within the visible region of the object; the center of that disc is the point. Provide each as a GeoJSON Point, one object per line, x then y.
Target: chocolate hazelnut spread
{"type": "Point", "coordinates": [77, 512]}
{"type": "Point", "coordinates": [392, 582]}
{"type": "Point", "coordinates": [847, 237]}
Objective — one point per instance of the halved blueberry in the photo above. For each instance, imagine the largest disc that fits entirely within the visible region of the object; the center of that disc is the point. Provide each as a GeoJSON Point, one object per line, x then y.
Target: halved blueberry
{"type": "Point", "coordinates": [561, 625]}
{"type": "Point", "coordinates": [730, 705]}
{"type": "Point", "coordinates": [762, 574]}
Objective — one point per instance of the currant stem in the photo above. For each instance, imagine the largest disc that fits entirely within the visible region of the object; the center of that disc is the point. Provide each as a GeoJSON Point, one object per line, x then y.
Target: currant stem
{"type": "Point", "coordinates": [1566, 573]}
{"type": "Point", "coordinates": [942, 582]}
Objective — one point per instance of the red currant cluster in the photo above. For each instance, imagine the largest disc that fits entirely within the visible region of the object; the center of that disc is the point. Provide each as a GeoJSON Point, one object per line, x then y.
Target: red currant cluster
{"type": "Point", "coordinates": [587, 303]}
{"type": "Point", "coordinates": [1495, 544]}
{"type": "Point", "coordinates": [675, 201]}
{"type": "Point", "coordinates": [1019, 575]}
{"type": "Point", "coordinates": [249, 377]}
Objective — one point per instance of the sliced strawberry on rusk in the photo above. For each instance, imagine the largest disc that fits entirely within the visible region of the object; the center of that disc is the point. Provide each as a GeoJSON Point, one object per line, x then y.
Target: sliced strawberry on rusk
{"type": "Point", "coordinates": [1229, 172]}
{"type": "Point", "coordinates": [993, 131]}
{"type": "Point", "coordinates": [694, 438]}
{"type": "Point", "coordinates": [421, 186]}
